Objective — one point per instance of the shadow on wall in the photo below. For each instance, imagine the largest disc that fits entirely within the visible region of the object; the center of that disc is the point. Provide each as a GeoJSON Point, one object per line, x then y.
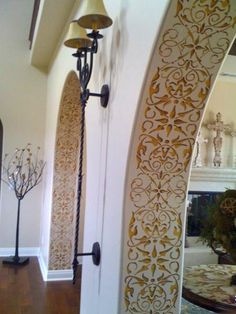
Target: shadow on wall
{"type": "Point", "coordinates": [117, 49]}
{"type": "Point", "coordinates": [118, 45]}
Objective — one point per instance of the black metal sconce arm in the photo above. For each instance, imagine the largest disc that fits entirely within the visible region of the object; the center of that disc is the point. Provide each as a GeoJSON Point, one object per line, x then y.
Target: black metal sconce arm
{"type": "Point", "coordinates": [85, 69]}
{"type": "Point", "coordinates": [95, 253]}
{"type": "Point", "coordinates": [96, 256]}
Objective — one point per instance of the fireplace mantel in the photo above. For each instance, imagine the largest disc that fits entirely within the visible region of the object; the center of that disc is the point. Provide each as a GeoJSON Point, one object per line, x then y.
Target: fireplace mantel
{"type": "Point", "coordinates": [212, 179]}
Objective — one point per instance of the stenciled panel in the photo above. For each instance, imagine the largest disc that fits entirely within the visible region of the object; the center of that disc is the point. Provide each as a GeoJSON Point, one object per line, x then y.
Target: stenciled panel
{"type": "Point", "coordinates": [194, 40]}
{"type": "Point", "coordinates": [65, 176]}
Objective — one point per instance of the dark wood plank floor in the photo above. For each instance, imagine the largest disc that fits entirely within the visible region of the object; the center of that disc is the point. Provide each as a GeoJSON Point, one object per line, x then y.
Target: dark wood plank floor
{"type": "Point", "coordinates": [23, 291]}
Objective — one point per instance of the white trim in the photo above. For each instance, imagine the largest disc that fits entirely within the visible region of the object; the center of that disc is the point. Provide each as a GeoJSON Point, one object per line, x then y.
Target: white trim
{"type": "Point", "coordinates": [53, 275]}
{"type": "Point", "coordinates": [48, 275]}
{"type": "Point", "coordinates": [23, 251]}
{"type": "Point", "coordinates": [214, 174]}
{"type": "Point", "coordinates": [212, 179]}
{"type": "Point", "coordinates": [42, 266]}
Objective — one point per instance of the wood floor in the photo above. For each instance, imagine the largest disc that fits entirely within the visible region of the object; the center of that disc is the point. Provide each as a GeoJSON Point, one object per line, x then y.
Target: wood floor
{"type": "Point", "coordinates": [23, 291]}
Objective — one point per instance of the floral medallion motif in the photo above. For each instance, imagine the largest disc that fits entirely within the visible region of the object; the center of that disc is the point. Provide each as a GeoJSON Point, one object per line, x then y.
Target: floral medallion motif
{"type": "Point", "coordinates": [195, 38]}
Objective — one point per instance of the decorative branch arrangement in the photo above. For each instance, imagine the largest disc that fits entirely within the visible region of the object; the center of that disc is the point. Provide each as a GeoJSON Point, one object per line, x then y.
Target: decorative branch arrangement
{"type": "Point", "coordinates": [22, 171]}
{"type": "Point", "coordinates": [219, 229]}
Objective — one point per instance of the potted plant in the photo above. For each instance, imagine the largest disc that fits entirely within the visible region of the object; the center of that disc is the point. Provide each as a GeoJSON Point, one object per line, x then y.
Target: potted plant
{"type": "Point", "coordinates": [219, 229]}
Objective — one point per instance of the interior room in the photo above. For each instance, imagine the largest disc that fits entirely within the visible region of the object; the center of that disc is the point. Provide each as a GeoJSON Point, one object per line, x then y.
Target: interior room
{"type": "Point", "coordinates": [118, 118]}
{"type": "Point", "coordinates": [205, 176]}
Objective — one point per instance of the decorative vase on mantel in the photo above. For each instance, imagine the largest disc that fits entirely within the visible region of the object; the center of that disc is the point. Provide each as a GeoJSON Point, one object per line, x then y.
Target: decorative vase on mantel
{"type": "Point", "coordinates": [22, 171]}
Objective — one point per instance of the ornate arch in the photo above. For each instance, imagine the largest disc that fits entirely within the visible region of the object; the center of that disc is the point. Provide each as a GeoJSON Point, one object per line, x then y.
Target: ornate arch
{"type": "Point", "coordinates": [194, 40]}
{"type": "Point", "coordinates": [65, 176]}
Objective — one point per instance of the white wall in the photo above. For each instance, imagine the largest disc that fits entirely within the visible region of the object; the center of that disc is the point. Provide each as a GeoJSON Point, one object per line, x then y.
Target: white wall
{"type": "Point", "coordinates": [63, 64]}
{"type": "Point", "coordinates": [22, 110]}
{"type": "Point", "coordinates": [199, 256]}
{"type": "Point", "coordinates": [121, 62]}
{"type": "Point", "coordinates": [130, 44]}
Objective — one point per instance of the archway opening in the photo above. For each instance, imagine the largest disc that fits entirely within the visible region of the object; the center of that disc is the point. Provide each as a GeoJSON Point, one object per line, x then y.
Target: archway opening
{"type": "Point", "coordinates": [185, 62]}
{"type": "Point", "coordinates": [212, 177]}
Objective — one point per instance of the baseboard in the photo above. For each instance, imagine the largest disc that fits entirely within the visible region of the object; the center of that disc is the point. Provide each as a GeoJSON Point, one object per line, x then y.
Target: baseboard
{"type": "Point", "coordinates": [53, 275]}
{"type": "Point", "coordinates": [23, 251]}
{"type": "Point", "coordinates": [56, 275]}
{"type": "Point", "coordinates": [48, 275]}
{"type": "Point", "coordinates": [42, 266]}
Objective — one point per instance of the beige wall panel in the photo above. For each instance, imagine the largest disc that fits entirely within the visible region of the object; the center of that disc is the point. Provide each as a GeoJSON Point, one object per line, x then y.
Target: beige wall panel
{"type": "Point", "coordinates": [22, 112]}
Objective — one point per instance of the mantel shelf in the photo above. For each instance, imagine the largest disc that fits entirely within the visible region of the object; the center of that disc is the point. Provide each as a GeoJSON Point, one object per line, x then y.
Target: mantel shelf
{"type": "Point", "coordinates": [213, 174]}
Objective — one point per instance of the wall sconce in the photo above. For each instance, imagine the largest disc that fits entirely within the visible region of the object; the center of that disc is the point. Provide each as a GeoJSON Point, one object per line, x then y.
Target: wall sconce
{"type": "Point", "coordinates": [95, 17]}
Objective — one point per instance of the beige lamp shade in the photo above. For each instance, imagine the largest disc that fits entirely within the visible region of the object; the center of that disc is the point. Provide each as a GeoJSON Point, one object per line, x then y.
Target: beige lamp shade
{"type": "Point", "coordinates": [77, 37]}
{"type": "Point", "coordinates": [95, 16]}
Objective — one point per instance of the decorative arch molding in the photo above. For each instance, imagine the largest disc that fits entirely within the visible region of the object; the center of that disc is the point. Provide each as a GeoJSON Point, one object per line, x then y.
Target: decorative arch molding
{"type": "Point", "coordinates": [65, 176]}
{"type": "Point", "coordinates": [195, 38]}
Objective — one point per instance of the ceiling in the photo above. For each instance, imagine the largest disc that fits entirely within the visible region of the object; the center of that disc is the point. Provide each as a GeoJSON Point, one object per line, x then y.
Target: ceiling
{"type": "Point", "coordinates": [50, 19]}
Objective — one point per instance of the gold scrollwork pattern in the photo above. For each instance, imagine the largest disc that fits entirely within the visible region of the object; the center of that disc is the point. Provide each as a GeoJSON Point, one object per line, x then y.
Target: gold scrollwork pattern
{"type": "Point", "coordinates": [65, 176]}
{"type": "Point", "coordinates": [195, 39]}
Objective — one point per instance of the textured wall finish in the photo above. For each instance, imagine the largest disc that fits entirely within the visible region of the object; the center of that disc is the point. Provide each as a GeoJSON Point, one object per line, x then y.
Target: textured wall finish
{"type": "Point", "coordinates": [65, 176]}
{"type": "Point", "coordinates": [195, 38]}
